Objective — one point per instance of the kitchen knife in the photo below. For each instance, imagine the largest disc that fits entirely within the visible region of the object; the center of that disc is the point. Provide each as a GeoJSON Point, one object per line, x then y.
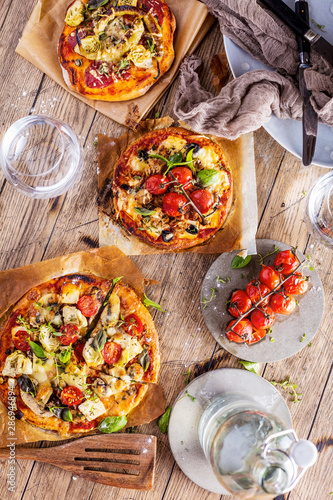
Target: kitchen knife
{"type": "Point", "coordinates": [310, 117]}
{"type": "Point", "coordinates": [300, 27]}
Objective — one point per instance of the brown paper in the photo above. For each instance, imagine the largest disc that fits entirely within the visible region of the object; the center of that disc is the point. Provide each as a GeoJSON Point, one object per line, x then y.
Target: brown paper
{"type": "Point", "coordinates": [241, 225]}
{"type": "Point", "coordinates": [40, 38]}
{"type": "Point", "coordinates": [109, 263]}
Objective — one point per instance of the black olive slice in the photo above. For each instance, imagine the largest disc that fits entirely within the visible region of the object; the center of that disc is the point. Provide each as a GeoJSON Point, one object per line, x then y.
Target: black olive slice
{"type": "Point", "coordinates": [192, 229]}
{"type": "Point", "coordinates": [194, 146]}
{"type": "Point", "coordinates": [26, 384]}
{"type": "Point", "coordinates": [167, 236]}
{"type": "Point", "coordinates": [143, 154]}
{"type": "Point", "coordinates": [125, 187]}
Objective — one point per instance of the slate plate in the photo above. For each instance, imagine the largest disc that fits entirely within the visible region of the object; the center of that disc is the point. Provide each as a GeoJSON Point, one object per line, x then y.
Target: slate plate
{"type": "Point", "coordinates": [287, 330]}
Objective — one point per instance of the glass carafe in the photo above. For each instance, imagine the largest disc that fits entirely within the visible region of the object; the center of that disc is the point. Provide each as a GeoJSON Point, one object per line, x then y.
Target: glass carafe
{"type": "Point", "coordinates": [253, 454]}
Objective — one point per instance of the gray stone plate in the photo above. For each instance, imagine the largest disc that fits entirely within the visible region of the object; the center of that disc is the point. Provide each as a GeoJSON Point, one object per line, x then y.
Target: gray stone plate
{"type": "Point", "coordinates": [186, 413]}
{"type": "Point", "coordinates": [287, 330]}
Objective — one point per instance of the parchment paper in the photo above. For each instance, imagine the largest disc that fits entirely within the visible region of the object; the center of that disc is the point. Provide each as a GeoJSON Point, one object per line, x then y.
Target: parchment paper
{"type": "Point", "coordinates": [109, 263]}
{"type": "Point", "coordinates": [40, 38]}
{"type": "Point", "coordinates": [241, 225]}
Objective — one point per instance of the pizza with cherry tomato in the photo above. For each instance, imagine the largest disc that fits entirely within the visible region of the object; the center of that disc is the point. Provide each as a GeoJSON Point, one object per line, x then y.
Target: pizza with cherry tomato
{"type": "Point", "coordinates": [173, 188]}
{"type": "Point", "coordinates": [115, 50]}
{"type": "Point", "coordinates": [76, 350]}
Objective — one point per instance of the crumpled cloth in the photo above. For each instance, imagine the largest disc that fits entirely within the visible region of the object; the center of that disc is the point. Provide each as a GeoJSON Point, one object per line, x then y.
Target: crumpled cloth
{"type": "Point", "coordinates": [247, 102]}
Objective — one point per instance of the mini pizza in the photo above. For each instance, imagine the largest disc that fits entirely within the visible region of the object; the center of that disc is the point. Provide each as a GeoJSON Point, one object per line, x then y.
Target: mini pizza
{"type": "Point", "coordinates": [172, 188]}
{"type": "Point", "coordinates": [115, 50]}
{"type": "Point", "coordinates": [67, 374]}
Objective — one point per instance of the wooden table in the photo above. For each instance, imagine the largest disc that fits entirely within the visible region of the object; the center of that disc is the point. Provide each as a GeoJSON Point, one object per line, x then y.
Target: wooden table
{"type": "Point", "coordinates": [34, 230]}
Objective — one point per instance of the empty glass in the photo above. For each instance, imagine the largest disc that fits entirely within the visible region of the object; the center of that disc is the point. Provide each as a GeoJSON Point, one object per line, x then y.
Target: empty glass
{"type": "Point", "coordinates": [319, 209]}
{"type": "Point", "coordinates": [41, 156]}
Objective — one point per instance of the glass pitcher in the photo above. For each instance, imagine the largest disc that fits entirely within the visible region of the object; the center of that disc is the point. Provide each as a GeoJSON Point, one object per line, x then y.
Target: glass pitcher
{"type": "Point", "coordinates": [252, 453]}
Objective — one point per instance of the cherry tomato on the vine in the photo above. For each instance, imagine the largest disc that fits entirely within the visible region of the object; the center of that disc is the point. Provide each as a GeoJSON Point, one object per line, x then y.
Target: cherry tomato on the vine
{"type": "Point", "coordinates": [286, 261]}
{"type": "Point", "coordinates": [174, 204]}
{"type": "Point", "coordinates": [270, 277]}
{"type": "Point", "coordinates": [240, 303]}
{"type": "Point", "coordinates": [71, 396]}
{"type": "Point", "coordinates": [133, 325]}
{"type": "Point", "coordinates": [111, 352]}
{"type": "Point", "coordinates": [262, 318]}
{"type": "Point", "coordinates": [253, 289]}
{"type": "Point", "coordinates": [256, 336]}
{"type": "Point", "coordinates": [70, 334]}
{"type": "Point", "coordinates": [240, 332]}
{"type": "Point", "coordinates": [21, 339]}
{"type": "Point", "coordinates": [202, 199]}
{"type": "Point", "coordinates": [88, 305]}
{"type": "Point", "coordinates": [296, 284]}
{"type": "Point", "coordinates": [183, 176]}
{"type": "Point", "coordinates": [282, 303]}
{"type": "Point", "coordinates": [157, 184]}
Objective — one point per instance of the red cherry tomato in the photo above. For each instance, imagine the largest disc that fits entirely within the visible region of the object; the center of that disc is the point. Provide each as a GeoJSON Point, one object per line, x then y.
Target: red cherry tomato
{"type": "Point", "coordinates": [20, 340]}
{"type": "Point", "coordinates": [70, 334]}
{"type": "Point", "coordinates": [296, 284]}
{"type": "Point", "coordinates": [78, 350]}
{"type": "Point", "coordinates": [156, 184]}
{"type": "Point", "coordinates": [111, 352]}
{"type": "Point", "coordinates": [240, 303]}
{"type": "Point", "coordinates": [282, 303]}
{"type": "Point", "coordinates": [270, 277]}
{"type": "Point", "coordinates": [262, 318]}
{"type": "Point", "coordinates": [286, 261]}
{"type": "Point", "coordinates": [88, 305]}
{"type": "Point", "coordinates": [202, 199]}
{"type": "Point", "coordinates": [240, 332]}
{"type": "Point", "coordinates": [71, 396]}
{"type": "Point", "coordinates": [256, 336]}
{"type": "Point", "coordinates": [183, 176]}
{"type": "Point", "coordinates": [173, 204]}
{"type": "Point", "coordinates": [252, 291]}
{"type": "Point", "coordinates": [133, 325]}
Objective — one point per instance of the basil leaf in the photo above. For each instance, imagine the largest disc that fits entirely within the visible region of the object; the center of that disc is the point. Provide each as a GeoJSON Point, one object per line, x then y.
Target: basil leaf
{"type": "Point", "coordinates": [144, 359]}
{"type": "Point", "coordinates": [251, 367]}
{"type": "Point", "coordinates": [176, 158]}
{"type": "Point", "coordinates": [163, 422]}
{"type": "Point", "coordinates": [99, 340]}
{"type": "Point", "coordinates": [63, 413]}
{"type": "Point", "coordinates": [238, 261]}
{"type": "Point", "coordinates": [112, 424]}
{"type": "Point", "coordinates": [147, 302]}
{"type": "Point", "coordinates": [65, 355]}
{"type": "Point", "coordinates": [144, 211]}
{"type": "Point", "coordinates": [37, 350]}
{"type": "Point", "coordinates": [27, 385]}
{"type": "Point", "coordinates": [189, 160]}
{"type": "Point", "coordinates": [208, 177]}
{"type": "Point", "coordinates": [94, 4]}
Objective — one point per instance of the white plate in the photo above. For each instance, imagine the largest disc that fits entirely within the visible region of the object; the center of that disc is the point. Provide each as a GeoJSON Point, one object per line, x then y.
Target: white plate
{"type": "Point", "coordinates": [288, 133]}
{"type": "Point", "coordinates": [287, 330]}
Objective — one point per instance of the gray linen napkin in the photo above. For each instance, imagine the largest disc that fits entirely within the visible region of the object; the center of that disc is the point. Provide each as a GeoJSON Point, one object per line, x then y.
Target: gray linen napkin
{"type": "Point", "coordinates": [248, 101]}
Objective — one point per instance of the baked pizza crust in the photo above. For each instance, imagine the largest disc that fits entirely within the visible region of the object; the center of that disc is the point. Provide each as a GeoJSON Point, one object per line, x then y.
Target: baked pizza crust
{"type": "Point", "coordinates": [122, 177]}
{"type": "Point", "coordinates": [138, 81]}
{"type": "Point", "coordinates": [118, 404]}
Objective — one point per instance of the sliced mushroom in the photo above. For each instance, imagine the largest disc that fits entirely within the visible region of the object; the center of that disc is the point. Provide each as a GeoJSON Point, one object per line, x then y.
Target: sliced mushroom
{"type": "Point", "coordinates": [31, 403]}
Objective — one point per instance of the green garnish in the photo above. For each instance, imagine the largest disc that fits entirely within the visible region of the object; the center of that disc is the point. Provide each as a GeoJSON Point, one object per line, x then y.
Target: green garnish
{"type": "Point", "coordinates": [147, 302]}
{"type": "Point", "coordinates": [112, 424]}
{"type": "Point", "coordinates": [251, 367]}
{"type": "Point", "coordinates": [163, 421]}
{"type": "Point", "coordinates": [37, 350]}
{"type": "Point", "coordinates": [286, 384]}
{"type": "Point", "coordinates": [189, 395]}
{"type": "Point", "coordinates": [239, 261]}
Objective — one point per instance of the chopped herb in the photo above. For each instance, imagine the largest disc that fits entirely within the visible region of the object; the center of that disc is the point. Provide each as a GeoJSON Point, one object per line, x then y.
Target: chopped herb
{"type": "Point", "coordinates": [147, 302]}
{"type": "Point", "coordinates": [319, 26]}
{"type": "Point", "coordinates": [286, 384]}
{"type": "Point", "coordinates": [189, 395]}
{"type": "Point", "coordinates": [95, 143]}
{"type": "Point", "coordinates": [205, 302]}
{"type": "Point", "coordinates": [163, 421]}
{"type": "Point", "coordinates": [272, 339]}
{"type": "Point", "coordinates": [242, 276]}
{"type": "Point", "coordinates": [303, 337]}
{"type": "Point", "coordinates": [157, 114]}
{"type": "Point", "coordinates": [124, 64]}
{"type": "Point", "coordinates": [239, 261]}
{"type": "Point", "coordinates": [188, 376]}
{"type": "Point", "coordinates": [310, 344]}
{"type": "Point", "coordinates": [144, 211]}
{"type": "Point", "coordinates": [251, 367]}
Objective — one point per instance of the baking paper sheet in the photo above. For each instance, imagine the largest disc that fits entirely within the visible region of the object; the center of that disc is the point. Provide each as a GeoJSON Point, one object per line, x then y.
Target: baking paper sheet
{"type": "Point", "coordinates": [40, 38]}
{"type": "Point", "coordinates": [107, 263]}
{"type": "Point", "coordinates": [240, 228]}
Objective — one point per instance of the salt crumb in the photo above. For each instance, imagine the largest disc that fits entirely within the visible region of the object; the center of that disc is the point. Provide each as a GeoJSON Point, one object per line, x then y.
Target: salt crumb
{"type": "Point", "coordinates": [74, 478]}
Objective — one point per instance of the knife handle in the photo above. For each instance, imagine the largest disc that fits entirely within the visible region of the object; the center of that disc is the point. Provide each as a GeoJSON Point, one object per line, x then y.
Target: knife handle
{"type": "Point", "coordinates": [287, 15]}
{"type": "Point", "coordinates": [302, 10]}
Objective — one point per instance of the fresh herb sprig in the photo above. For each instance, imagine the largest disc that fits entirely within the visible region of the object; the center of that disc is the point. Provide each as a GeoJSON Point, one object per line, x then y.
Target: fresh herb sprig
{"type": "Point", "coordinates": [205, 302]}
{"type": "Point", "coordinates": [262, 258]}
{"type": "Point", "coordinates": [148, 302]}
{"type": "Point", "coordinates": [287, 384]}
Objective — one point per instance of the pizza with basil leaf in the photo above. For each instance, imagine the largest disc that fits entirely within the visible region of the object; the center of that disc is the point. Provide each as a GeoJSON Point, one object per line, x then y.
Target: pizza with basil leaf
{"type": "Point", "coordinates": [172, 188]}
{"type": "Point", "coordinates": [69, 374]}
{"type": "Point", "coordinates": [115, 50]}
